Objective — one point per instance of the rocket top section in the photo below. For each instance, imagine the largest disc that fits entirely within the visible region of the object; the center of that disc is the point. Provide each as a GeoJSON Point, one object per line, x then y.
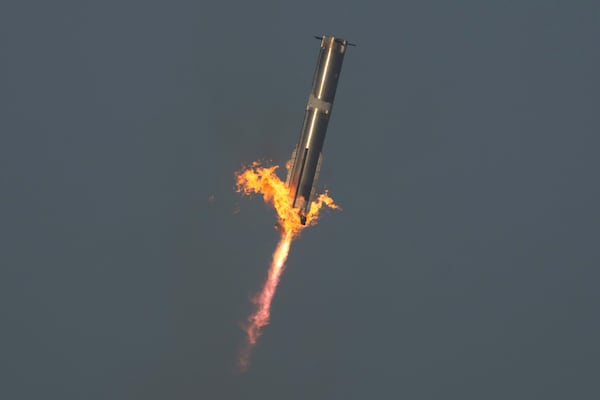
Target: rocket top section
{"type": "Point", "coordinates": [329, 66]}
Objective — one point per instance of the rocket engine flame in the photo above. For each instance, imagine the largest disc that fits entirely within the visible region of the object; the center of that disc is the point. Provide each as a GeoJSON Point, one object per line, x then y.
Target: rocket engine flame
{"type": "Point", "coordinates": [260, 317]}
{"type": "Point", "coordinates": [264, 181]}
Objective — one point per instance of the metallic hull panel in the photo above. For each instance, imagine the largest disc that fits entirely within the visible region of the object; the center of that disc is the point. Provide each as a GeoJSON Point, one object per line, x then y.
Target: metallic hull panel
{"type": "Point", "coordinates": [306, 158]}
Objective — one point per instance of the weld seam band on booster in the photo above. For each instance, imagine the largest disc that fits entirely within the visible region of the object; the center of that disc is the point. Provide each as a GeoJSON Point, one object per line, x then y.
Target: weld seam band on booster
{"type": "Point", "coordinates": [314, 102]}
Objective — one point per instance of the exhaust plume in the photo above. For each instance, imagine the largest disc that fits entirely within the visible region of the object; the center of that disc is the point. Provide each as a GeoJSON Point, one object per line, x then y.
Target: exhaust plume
{"type": "Point", "coordinates": [264, 181]}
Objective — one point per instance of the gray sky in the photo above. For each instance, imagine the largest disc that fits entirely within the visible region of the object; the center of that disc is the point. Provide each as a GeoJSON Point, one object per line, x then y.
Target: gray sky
{"type": "Point", "coordinates": [463, 148]}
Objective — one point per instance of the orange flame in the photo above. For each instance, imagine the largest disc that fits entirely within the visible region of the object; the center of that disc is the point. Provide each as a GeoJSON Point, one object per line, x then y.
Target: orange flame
{"type": "Point", "coordinates": [264, 180]}
{"type": "Point", "coordinates": [260, 317]}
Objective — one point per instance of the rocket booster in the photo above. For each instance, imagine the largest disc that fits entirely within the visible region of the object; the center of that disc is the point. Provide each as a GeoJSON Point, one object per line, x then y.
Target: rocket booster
{"type": "Point", "coordinates": [307, 156]}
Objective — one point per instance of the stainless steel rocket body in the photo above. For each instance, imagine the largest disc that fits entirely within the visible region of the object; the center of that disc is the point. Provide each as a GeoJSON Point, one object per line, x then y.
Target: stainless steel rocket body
{"type": "Point", "coordinates": [307, 156]}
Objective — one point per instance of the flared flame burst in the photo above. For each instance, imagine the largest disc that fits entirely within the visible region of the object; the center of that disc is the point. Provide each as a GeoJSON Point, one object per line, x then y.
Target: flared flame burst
{"type": "Point", "coordinates": [264, 181]}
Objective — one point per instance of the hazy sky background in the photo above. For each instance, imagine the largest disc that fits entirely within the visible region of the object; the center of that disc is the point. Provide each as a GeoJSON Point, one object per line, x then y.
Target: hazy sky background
{"type": "Point", "coordinates": [463, 148]}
